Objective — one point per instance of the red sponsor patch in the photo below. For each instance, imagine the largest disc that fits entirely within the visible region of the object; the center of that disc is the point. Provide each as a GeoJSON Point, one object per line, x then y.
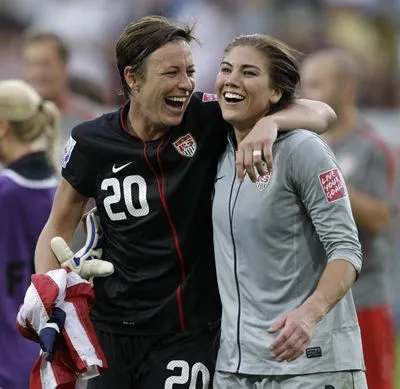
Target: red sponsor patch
{"type": "Point", "coordinates": [209, 97]}
{"type": "Point", "coordinates": [332, 185]}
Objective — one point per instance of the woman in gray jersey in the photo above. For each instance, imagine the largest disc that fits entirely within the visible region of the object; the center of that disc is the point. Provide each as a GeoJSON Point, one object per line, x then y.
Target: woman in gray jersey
{"type": "Point", "coordinates": [286, 247]}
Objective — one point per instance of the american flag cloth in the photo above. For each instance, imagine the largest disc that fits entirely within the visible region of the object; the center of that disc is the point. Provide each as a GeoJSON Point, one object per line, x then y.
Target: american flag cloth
{"type": "Point", "coordinates": [79, 356]}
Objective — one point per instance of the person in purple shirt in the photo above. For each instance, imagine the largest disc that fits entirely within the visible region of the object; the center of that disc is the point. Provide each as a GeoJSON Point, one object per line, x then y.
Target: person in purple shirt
{"type": "Point", "coordinates": [28, 131]}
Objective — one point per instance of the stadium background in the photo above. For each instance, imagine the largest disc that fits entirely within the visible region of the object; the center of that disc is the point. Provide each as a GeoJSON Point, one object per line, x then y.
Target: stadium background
{"type": "Point", "coordinates": [368, 28]}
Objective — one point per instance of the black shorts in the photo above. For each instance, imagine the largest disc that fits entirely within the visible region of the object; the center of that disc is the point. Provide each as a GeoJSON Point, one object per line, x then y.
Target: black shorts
{"type": "Point", "coordinates": [183, 360]}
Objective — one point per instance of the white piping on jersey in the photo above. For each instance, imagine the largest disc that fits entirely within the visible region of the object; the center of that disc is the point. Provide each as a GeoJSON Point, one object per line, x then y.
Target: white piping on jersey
{"type": "Point", "coordinates": [29, 183]}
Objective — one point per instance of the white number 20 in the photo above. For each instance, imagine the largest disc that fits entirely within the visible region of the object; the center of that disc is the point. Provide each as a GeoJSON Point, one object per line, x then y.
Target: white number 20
{"type": "Point", "coordinates": [187, 374]}
{"type": "Point", "coordinates": [115, 198]}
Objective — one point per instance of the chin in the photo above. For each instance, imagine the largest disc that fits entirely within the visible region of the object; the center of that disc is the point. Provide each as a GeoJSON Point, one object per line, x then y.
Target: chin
{"type": "Point", "coordinates": [172, 122]}
{"type": "Point", "coordinates": [231, 117]}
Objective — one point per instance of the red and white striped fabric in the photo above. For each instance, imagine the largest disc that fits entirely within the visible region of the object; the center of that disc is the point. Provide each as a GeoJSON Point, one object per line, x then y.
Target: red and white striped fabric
{"type": "Point", "coordinates": [79, 356]}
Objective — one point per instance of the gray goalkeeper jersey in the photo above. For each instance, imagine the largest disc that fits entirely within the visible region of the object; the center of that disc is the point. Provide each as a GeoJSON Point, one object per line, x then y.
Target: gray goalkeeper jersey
{"type": "Point", "coordinates": [273, 240]}
{"type": "Point", "coordinates": [368, 165]}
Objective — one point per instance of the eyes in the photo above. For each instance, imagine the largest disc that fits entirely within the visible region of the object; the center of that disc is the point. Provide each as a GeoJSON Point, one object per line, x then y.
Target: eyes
{"type": "Point", "coordinates": [175, 72]}
{"type": "Point", "coordinates": [224, 70]}
{"type": "Point", "coordinates": [246, 72]}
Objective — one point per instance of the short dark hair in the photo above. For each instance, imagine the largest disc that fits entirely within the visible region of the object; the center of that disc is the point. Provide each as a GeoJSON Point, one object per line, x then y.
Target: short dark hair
{"type": "Point", "coordinates": [33, 36]}
{"type": "Point", "coordinates": [282, 61]}
{"type": "Point", "coordinates": [142, 37]}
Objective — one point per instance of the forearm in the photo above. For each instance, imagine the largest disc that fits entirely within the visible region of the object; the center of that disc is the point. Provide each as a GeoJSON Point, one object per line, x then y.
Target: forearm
{"type": "Point", "coordinates": [335, 282]}
{"type": "Point", "coordinates": [45, 259]}
{"type": "Point", "coordinates": [309, 114]}
{"type": "Point", "coordinates": [369, 214]}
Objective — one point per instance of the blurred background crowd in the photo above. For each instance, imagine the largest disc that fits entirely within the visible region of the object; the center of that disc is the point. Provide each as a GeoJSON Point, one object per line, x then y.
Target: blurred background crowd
{"type": "Point", "coordinates": [83, 81]}
{"type": "Point", "coordinates": [369, 28]}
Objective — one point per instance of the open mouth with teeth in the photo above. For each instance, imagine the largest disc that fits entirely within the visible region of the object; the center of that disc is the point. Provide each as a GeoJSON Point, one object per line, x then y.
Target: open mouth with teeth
{"type": "Point", "coordinates": [176, 101]}
{"type": "Point", "coordinates": [233, 97]}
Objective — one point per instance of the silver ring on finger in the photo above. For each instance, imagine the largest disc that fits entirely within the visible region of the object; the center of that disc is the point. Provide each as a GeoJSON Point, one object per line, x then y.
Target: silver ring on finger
{"type": "Point", "coordinates": [257, 153]}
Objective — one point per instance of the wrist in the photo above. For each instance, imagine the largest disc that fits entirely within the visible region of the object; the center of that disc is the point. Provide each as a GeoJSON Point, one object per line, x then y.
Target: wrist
{"type": "Point", "coordinates": [270, 122]}
{"type": "Point", "coordinates": [275, 119]}
{"type": "Point", "coordinates": [315, 307]}
{"type": "Point", "coordinates": [284, 121]}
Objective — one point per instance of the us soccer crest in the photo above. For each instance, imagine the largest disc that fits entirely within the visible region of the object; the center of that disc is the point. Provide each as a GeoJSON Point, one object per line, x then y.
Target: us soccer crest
{"type": "Point", "coordinates": [185, 145]}
{"type": "Point", "coordinates": [263, 181]}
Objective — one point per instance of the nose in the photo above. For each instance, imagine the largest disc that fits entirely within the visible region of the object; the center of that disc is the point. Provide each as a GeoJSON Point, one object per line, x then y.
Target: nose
{"type": "Point", "coordinates": [186, 83]}
{"type": "Point", "coordinates": [232, 79]}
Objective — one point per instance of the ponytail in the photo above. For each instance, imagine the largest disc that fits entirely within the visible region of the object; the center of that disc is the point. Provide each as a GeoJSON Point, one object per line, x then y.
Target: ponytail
{"type": "Point", "coordinates": [41, 130]}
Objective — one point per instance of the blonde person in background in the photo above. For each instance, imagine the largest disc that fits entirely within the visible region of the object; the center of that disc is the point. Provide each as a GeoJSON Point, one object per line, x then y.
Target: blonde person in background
{"type": "Point", "coordinates": [28, 129]}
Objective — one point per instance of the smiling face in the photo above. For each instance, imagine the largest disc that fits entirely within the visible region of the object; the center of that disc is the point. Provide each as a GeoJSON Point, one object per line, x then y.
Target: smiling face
{"type": "Point", "coordinates": [161, 95]}
{"type": "Point", "coordinates": [244, 87]}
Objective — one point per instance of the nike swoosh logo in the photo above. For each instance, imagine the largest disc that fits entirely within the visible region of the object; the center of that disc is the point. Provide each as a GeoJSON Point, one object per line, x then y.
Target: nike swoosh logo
{"type": "Point", "coordinates": [117, 169]}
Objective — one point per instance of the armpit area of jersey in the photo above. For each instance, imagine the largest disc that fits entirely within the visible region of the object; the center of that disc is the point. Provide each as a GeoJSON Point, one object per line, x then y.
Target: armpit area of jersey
{"type": "Point", "coordinates": [34, 166]}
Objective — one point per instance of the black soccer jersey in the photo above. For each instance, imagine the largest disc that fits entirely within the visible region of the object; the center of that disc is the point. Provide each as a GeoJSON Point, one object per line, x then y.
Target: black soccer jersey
{"type": "Point", "coordinates": [154, 201]}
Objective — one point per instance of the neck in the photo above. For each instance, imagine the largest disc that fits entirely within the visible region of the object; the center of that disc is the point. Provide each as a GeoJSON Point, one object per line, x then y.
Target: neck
{"type": "Point", "coordinates": [240, 134]}
{"type": "Point", "coordinates": [63, 100]}
{"type": "Point", "coordinates": [14, 151]}
{"type": "Point", "coordinates": [346, 122]}
{"type": "Point", "coordinates": [141, 126]}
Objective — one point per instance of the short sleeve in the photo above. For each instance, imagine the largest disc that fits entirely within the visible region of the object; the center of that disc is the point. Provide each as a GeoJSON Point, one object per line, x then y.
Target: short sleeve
{"type": "Point", "coordinates": [318, 181]}
{"type": "Point", "coordinates": [78, 168]}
